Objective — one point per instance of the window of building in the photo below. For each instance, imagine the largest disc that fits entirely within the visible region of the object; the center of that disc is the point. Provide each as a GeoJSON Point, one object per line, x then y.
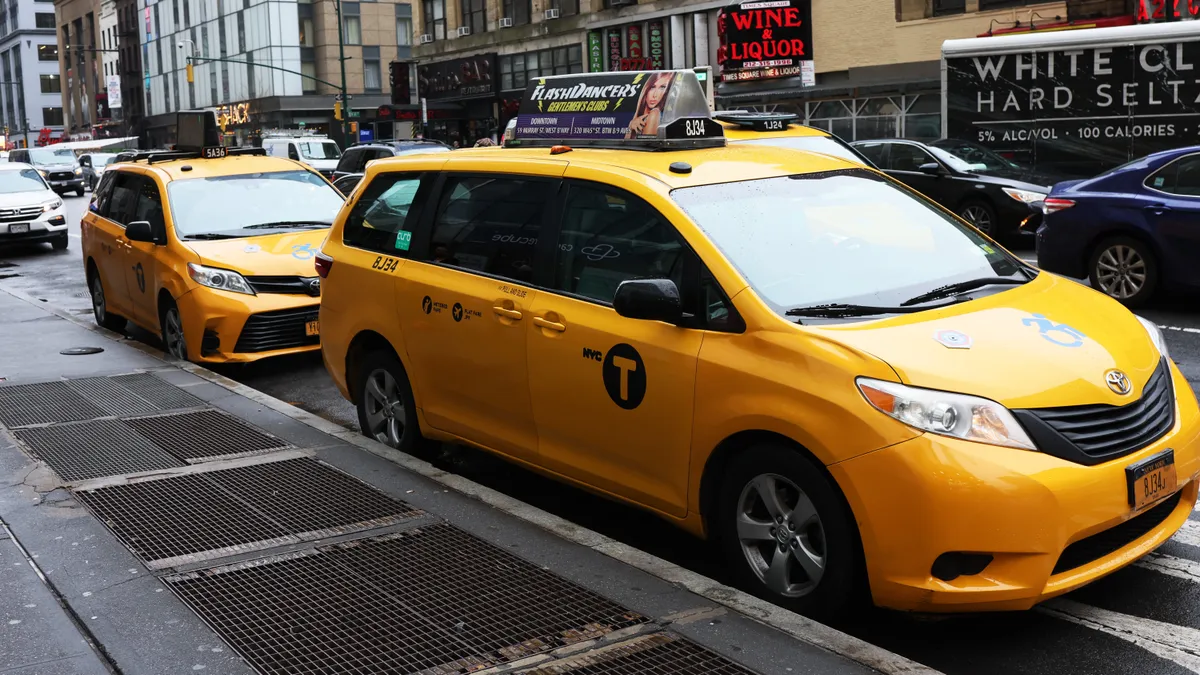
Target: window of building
{"type": "Point", "coordinates": [567, 7]}
{"type": "Point", "coordinates": [251, 75]}
{"type": "Point", "coordinates": [490, 225]}
{"type": "Point", "coordinates": [47, 52]}
{"type": "Point", "coordinates": [434, 16]}
{"type": "Point", "coordinates": [241, 29]}
{"type": "Point", "coordinates": [985, 5]}
{"type": "Point", "coordinates": [308, 66]}
{"type": "Point", "coordinates": [51, 84]}
{"type": "Point", "coordinates": [474, 15]}
{"type": "Point", "coordinates": [518, 10]}
{"type": "Point", "coordinates": [404, 31]}
{"type": "Point", "coordinates": [187, 13]}
{"type": "Point", "coordinates": [861, 119]}
{"type": "Point", "coordinates": [52, 117]}
{"type": "Point", "coordinates": [372, 73]}
{"type": "Point", "coordinates": [517, 69]}
{"type": "Point", "coordinates": [351, 23]}
{"type": "Point", "coordinates": [307, 33]}
{"type": "Point", "coordinates": [946, 7]}
{"type": "Point", "coordinates": [44, 19]}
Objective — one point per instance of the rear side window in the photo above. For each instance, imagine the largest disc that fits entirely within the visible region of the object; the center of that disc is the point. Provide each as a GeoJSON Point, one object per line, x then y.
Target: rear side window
{"type": "Point", "coordinates": [383, 218]}
{"type": "Point", "coordinates": [490, 224]}
{"type": "Point", "coordinates": [351, 161]}
{"type": "Point", "coordinates": [103, 192]}
{"type": "Point", "coordinates": [124, 195]}
{"type": "Point", "coordinates": [872, 151]}
{"type": "Point", "coordinates": [905, 157]}
{"type": "Point", "coordinates": [1181, 177]}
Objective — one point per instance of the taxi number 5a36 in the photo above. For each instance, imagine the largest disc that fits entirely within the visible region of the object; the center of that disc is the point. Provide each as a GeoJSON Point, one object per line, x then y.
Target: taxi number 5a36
{"type": "Point", "coordinates": [215, 152]}
{"type": "Point", "coordinates": [385, 264]}
{"type": "Point", "coordinates": [1151, 479]}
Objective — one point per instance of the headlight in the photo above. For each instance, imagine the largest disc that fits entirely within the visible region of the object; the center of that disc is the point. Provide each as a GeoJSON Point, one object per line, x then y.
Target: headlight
{"type": "Point", "coordinates": [1156, 336]}
{"type": "Point", "coordinates": [78, 171]}
{"type": "Point", "coordinates": [222, 280]}
{"type": "Point", "coordinates": [1025, 196]}
{"type": "Point", "coordinates": [940, 412]}
{"type": "Point", "coordinates": [41, 173]}
{"type": "Point", "coordinates": [50, 206]}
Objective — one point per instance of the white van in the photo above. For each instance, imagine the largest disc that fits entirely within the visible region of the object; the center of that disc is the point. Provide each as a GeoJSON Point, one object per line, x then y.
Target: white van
{"type": "Point", "coordinates": [316, 151]}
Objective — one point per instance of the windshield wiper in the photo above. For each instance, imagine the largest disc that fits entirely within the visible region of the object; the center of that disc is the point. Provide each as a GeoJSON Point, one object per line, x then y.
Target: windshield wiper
{"type": "Point", "coordinates": [962, 287]}
{"type": "Point", "coordinates": [280, 224]}
{"type": "Point", "coordinates": [836, 310]}
{"type": "Point", "coordinates": [211, 236]}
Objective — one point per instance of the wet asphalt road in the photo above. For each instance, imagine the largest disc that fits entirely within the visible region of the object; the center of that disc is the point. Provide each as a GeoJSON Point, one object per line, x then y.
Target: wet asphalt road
{"type": "Point", "coordinates": [1143, 620]}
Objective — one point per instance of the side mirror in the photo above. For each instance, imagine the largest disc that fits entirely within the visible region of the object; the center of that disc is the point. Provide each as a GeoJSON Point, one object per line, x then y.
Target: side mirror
{"type": "Point", "coordinates": [649, 299]}
{"type": "Point", "coordinates": [932, 168]}
{"type": "Point", "coordinates": [142, 230]}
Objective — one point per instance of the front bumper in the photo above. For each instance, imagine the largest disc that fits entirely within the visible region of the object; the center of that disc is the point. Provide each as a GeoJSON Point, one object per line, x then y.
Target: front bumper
{"type": "Point", "coordinates": [49, 227]}
{"type": "Point", "coordinates": [223, 327]}
{"type": "Point", "coordinates": [931, 495]}
{"type": "Point", "coordinates": [71, 185]}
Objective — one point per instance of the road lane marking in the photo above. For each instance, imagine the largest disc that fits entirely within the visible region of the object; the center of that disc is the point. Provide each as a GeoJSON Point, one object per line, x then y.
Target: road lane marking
{"type": "Point", "coordinates": [1188, 534]}
{"type": "Point", "coordinates": [1180, 568]}
{"type": "Point", "coordinates": [1182, 329]}
{"type": "Point", "coordinates": [1178, 644]}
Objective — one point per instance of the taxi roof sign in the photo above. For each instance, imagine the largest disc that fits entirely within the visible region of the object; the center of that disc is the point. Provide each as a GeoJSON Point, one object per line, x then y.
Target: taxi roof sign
{"type": "Point", "coordinates": [646, 110]}
{"type": "Point", "coordinates": [196, 130]}
{"type": "Point", "coordinates": [758, 121]}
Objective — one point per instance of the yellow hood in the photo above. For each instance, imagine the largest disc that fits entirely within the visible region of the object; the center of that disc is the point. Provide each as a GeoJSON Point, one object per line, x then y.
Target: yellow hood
{"type": "Point", "coordinates": [1046, 343]}
{"type": "Point", "coordinates": [288, 254]}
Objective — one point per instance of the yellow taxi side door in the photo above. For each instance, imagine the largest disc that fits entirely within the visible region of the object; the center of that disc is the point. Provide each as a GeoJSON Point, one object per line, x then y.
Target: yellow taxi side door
{"type": "Point", "coordinates": [613, 396]}
{"type": "Point", "coordinates": [104, 236]}
{"type": "Point", "coordinates": [141, 257]}
{"type": "Point", "coordinates": [464, 301]}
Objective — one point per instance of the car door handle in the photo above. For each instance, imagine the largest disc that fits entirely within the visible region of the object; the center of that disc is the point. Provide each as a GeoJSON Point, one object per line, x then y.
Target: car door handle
{"type": "Point", "coordinates": [1158, 209]}
{"type": "Point", "coordinates": [548, 324]}
{"type": "Point", "coordinates": [513, 314]}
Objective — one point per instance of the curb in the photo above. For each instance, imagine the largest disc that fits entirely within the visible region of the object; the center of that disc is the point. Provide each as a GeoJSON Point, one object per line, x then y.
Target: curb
{"type": "Point", "coordinates": [786, 621]}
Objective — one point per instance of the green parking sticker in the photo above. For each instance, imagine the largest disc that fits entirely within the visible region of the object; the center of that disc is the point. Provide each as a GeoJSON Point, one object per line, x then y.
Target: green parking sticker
{"type": "Point", "coordinates": [403, 240]}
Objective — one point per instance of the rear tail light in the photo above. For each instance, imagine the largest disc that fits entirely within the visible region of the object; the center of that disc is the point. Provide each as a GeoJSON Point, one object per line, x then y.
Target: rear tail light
{"type": "Point", "coordinates": [1053, 204]}
{"type": "Point", "coordinates": [323, 263]}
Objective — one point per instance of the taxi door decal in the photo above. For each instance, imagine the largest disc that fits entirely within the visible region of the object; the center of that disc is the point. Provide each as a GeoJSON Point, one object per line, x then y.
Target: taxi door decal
{"type": "Point", "coordinates": [623, 373]}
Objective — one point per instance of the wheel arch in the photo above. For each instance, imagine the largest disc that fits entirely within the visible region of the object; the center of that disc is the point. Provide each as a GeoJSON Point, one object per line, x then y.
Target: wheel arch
{"type": "Point", "coordinates": [363, 343]}
{"type": "Point", "coordinates": [164, 300]}
{"type": "Point", "coordinates": [1116, 232]}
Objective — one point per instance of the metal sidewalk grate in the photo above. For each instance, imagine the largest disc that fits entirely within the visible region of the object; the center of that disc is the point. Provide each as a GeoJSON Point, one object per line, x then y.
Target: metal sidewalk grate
{"type": "Point", "coordinates": [657, 654]}
{"type": "Point", "coordinates": [162, 394]}
{"type": "Point", "coordinates": [94, 449]}
{"type": "Point", "coordinates": [25, 404]}
{"type": "Point", "coordinates": [304, 495]}
{"type": "Point", "coordinates": [111, 396]}
{"type": "Point", "coordinates": [196, 436]}
{"type": "Point", "coordinates": [179, 516]}
{"type": "Point", "coordinates": [500, 604]}
{"type": "Point", "coordinates": [304, 613]}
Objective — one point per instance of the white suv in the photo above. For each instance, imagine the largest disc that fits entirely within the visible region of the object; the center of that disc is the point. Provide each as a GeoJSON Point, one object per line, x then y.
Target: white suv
{"type": "Point", "coordinates": [29, 210]}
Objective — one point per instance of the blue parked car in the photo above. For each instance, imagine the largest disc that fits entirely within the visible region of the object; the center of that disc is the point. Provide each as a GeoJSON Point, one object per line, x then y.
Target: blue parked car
{"type": "Point", "coordinates": [1132, 230]}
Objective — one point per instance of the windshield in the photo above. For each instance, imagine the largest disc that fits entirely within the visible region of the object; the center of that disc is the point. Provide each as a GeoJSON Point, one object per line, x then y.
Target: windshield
{"type": "Point", "coordinates": [230, 204]}
{"type": "Point", "coordinates": [822, 144]}
{"type": "Point", "coordinates": [48, 156]}
{"type": "Point", "coordinates": [25, 180]}
{"type": "Point", "coordinates": [319, 150]}
{"type": "Point", "coordinates": [971, 154]}
{"type": "Point", "coordinates": [846, 236]}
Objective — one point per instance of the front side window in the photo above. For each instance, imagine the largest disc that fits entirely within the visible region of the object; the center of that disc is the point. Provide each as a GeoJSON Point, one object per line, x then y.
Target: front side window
{"type": "Point", "coordinates": [124, 195]}
{"type": "Point", "coordinates": [251, 204]}
{"type": "Point", "coordinates": [609, 236]}
{"type": "Point", "coordinates": [905, 157]}
{"type": "Point", "coordinates": [25, 180]}
{"type": "Point", "coordinates": [148, 206]}
{"type": "Point", "coordinates": [382, 219]}
{"type": "Point", "coordinates": [490, 224]}
{"type": "Point", "coordinates": [1181, 177]}
{"type": "Point", "coordinates": [319, 150]}
{"type": "Point", "coordinates": [823, 144]}
{"type": "Point", "coordinates": [847, 236]}
{"type": "Point", "coordinates": [977, 157]}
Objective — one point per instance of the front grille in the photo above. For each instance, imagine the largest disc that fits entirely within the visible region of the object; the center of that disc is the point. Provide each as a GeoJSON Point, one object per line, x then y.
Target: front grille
{"type": "Point", "coordinates": [282, 329]}
{"type": "Point", "coordinates": [1103, 432]}
{"type": "Point", "coordinates": [23, 214]}
{"type": "Point", "coordinates": [62, 175]}
{"type": "Point", "coordinates": [1113, 539]}
{"type": "Point", "coordinates": [310, 286]}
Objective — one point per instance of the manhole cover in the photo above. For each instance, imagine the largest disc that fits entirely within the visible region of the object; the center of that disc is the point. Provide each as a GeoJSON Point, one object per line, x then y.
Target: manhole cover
{"type": "Point", "coordinates": [656, 654]}
{"type": "Point", "coordinates": [25, 404]}
{"type": "Point", "coordinates": [94, 449]}
{"type": "Point", "coordinates": [81, 351]}
{"type": "Point", "coordinates": [205, 434]}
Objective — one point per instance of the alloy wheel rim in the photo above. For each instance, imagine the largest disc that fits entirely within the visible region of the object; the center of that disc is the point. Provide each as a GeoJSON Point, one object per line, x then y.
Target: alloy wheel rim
{"type": "Point", "coordinates": [1121, 271]}
{"type": "Point", "coordinates": [173, 335]}
{"type": "Point", "coordinates": [98, 308]}
{"type": "Point", "coordinates": [979, 217]}
{"type": "Point", "coordinates": [781, 535]}
{"type": "Point", "coordinates": [385, 413]}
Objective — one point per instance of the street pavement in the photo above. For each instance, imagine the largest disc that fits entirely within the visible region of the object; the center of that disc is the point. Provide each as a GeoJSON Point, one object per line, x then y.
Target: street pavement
{"type": "Point", "coordinates": [1144, 619]}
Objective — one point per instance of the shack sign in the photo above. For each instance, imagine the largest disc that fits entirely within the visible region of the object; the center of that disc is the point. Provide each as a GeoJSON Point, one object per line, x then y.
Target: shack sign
{"type": "Point", "coordinates": [766, 39]}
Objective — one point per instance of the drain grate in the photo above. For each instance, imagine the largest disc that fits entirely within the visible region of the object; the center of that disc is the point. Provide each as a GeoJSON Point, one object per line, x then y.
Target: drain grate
{"type": "Point", "coordinates": [25, 404]}
{"type": "Point", "coordinates": [303, 613]}
{"type": "Point", "coordinates": [94, 449]}
{"type": "Point", "coordinates": [206, 434]}
{"type": "Point", "coordinates": [179, 516]}
{"type": "Point", "coordinates": [165, 396]}
{"type": "Point", "coordinates": [306, 496]}
{"type": "Point", "coordinates": [111, 396]}
{"type": "Point", "coordinates": [657, 654]}
{"type": "Point", "coordinates": [498, 603]}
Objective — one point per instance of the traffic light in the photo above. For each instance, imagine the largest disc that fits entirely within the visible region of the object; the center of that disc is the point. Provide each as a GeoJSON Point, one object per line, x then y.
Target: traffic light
{"type": "Point", "coordinates": [354, 127]}
{"type": "Point", "coordinates": [191, 75]}
{"type": "Point", "coordinates": [337, 110]}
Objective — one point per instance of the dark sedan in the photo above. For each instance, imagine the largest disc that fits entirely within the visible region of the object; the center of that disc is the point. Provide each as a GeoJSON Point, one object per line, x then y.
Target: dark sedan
{"type": "Point", "coordinates": [1132, 230]}
{"type": "Point", "coordinates": [988, 191]}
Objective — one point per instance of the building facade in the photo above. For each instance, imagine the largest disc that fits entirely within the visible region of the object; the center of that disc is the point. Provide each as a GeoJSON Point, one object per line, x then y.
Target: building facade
{"type": "Point", "coordinates": [30, 96]}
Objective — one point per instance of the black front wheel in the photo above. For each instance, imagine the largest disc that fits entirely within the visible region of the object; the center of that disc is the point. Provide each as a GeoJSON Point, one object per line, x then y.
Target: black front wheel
{"type": "Point", "coordinates": [981, 215]}
{"type": "Point", "coordinates": [60, 242]}
{"type": "Point", "coordinates": [79, 192]}
{"type": "Point", "coordinates": [104, 318]}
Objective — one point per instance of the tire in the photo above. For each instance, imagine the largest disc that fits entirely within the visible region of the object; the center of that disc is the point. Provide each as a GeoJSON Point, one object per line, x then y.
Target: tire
{"type": "Point", "coordinates": [60, 242]}
{"type": "Point", "coordinates": [826, 545]}
{"type": "Point", "coordinates": [1124, 269]}
{"type": "Point", "coordinates": [981, 215]}
{"type": "Point", "coordinates": [79, 192]}
{"type": "Point", "coordinates": [171, 325]}
{"type": "Point", "coordinates": [387, 410]}
{"type": "Point", "coordinates": [104, 318]}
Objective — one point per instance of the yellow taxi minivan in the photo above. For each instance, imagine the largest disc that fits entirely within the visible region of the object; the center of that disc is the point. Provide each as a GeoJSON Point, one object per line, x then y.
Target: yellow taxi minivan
{"type": "Point", "coordinates": [209, 247]}
{"type": "Point", "coordinates": [841, 383]}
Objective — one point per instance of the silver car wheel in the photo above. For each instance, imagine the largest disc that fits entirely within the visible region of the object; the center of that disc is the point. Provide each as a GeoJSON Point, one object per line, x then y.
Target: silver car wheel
{"type": "Point", "coordinates": [781, 535]}
{"type": "Point", "coordinates": [1121, 271]}
{"type": "Point", "coordinates": [384, 406]}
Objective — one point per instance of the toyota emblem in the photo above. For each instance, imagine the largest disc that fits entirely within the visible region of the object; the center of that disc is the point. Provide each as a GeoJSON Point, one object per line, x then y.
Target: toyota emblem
{"type": "Point", "coordinates": [314, 287]}
{"type": "Point", "coordinates": [1118, 382]}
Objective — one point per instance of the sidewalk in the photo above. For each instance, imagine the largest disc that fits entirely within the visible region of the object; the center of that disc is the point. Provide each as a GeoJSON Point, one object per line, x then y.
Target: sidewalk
{"type": "Point", "coordinates": [191, 525]}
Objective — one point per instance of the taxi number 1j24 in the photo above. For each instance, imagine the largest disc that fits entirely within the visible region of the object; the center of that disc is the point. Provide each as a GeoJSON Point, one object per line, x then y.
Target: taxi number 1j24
{"type": "Point", "coordinates": [1151, 479]}
{"type": "Point", "coordinates": [385, 264]}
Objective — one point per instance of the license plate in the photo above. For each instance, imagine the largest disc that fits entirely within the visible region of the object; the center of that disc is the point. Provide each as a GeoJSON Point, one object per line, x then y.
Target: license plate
{"type": "Point", "coordinates": [1151, 479]}
{"type": "Point", "coordinates": [19, 228]}
{"type": "Point", "coordinates": [314, 328]}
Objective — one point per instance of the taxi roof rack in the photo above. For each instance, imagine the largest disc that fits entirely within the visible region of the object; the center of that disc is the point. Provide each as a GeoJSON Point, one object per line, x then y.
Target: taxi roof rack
{"type": "Point", "coordinates": [156, 156]}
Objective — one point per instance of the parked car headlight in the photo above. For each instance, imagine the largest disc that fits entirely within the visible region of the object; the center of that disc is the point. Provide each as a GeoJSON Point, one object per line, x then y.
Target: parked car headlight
{"type": "Point", "coordinates": [1156, 336]}
{"type": "Point", "coordinates": [51, 206]}
{"type": "Point", "coordinates": [1025, 196]}
{"type": "Point", "coordinates": [940, 412]}
{"type": "Point", "coordinates": [78, 171]}
{"type": "Point", "coordinates": [222, 280]}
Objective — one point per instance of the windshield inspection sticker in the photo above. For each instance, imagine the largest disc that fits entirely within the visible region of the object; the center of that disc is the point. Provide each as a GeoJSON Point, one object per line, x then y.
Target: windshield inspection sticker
{"type": "Point", "coordinates": [403, 240]}
{"type": "Point", "coordinates": [1060, 334]}
{"type": "Point", "coordinates": [953, 339]}
{"type": "Point", "coordinates": [987, 249]}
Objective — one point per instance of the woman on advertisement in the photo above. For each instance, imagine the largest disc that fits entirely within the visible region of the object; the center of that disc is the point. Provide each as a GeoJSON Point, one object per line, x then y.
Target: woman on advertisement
{"type": "Point", "coordinates": [651, 105]}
